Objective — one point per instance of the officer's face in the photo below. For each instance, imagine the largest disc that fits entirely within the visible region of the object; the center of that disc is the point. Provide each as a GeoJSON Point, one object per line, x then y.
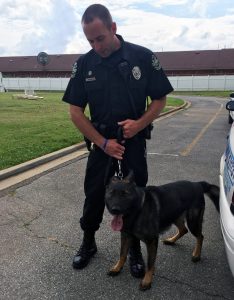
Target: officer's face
{"type": "Point", "coordinates": [102, 39]}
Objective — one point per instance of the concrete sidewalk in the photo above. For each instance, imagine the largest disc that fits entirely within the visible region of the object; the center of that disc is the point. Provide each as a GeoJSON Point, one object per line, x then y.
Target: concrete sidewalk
{"type": "Point", "coordinates": [14, 177]}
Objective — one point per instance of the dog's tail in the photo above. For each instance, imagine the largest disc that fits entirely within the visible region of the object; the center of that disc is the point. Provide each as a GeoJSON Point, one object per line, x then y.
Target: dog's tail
{"type": "Point", "coordinates": [212, 192]}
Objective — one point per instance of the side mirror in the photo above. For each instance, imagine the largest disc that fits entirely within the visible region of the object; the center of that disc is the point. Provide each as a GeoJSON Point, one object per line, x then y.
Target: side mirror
{"type": "Point", "coordinates": [230, 105]}
{"type": "Point", "coordinates": [232, 95]}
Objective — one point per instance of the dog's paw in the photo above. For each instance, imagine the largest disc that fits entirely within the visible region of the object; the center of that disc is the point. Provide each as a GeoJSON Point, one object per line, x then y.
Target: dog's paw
{"type": "Point", "coordinates": [113, 273]}
{"type": "Point", "coordinates": [196, 258]}
{"type": "Point", "coordinates": [144, 286]}
{"type": "Point", "coordinates": [168, 242]}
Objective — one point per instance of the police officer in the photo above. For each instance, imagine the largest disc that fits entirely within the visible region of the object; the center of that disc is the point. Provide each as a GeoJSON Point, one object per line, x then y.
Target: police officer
{"type": "Point", "coordinates": [114, 79]}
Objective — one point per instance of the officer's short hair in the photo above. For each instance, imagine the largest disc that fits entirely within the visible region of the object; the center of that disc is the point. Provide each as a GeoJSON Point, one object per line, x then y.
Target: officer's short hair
{"type": "Point", "coordinates": [97, 11]}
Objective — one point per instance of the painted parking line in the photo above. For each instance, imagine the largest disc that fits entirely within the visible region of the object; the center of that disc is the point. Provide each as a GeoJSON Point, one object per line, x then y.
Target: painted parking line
{"type": "Point", "coordinates": [189, 148]}
{"type": "Point", "coordinates": [161, 154]}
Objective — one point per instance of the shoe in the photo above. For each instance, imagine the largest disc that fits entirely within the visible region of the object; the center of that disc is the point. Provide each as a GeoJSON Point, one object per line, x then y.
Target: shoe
{"type": "Point", "coordinates": [84, 254]}
{"type": "Point", "coordinates": [136, 263]}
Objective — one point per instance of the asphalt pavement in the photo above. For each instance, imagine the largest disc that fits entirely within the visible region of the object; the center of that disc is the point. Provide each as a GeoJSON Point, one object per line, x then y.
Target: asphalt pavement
{"type": "Point", "coordinates": [40, 229]}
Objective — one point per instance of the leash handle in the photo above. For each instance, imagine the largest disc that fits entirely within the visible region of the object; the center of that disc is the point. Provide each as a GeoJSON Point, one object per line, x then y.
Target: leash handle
{"type": "Point", "coordinates": [120, 137]}
{"type": "Point", "coordinates": [119, 174]}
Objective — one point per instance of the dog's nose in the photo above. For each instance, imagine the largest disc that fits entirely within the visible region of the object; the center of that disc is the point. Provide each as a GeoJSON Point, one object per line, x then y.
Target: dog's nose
{"type": "Point", "coordinates": [115, 210]}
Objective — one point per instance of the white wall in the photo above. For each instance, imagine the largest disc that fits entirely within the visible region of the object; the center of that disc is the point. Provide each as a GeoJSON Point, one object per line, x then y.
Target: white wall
{"type": "Point", "coordinates": [47, 84]}
{"type": "Point", "coordinates": [179, 83]}
{"type": "Point", "coordinates": [202, 83]}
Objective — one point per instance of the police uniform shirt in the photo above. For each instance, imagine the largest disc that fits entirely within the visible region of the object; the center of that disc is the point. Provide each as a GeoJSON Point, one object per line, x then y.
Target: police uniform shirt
{"type": "Point", "coordinates": [98, 82]}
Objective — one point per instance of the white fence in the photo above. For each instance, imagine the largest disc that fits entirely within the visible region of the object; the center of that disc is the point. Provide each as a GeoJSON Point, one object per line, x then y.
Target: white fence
{"type": "Point", "coordinates": [45, 84]}
{"type": "Point", "coordinates": [202, 83]}
{"type": "Point", "coordinates": [179, 83]}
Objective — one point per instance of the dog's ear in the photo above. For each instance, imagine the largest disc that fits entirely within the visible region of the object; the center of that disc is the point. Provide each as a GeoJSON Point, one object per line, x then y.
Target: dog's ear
{"type": "Point", "coordinates": [130, 177]}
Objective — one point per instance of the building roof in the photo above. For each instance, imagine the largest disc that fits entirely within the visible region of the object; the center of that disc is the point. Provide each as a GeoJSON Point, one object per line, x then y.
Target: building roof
{"type": "Point", "coordinates": [57, 62]}
{"type": "Point", "coordinates": [179, 60]}
{"type": "Point", "coordinates": [198, 60]}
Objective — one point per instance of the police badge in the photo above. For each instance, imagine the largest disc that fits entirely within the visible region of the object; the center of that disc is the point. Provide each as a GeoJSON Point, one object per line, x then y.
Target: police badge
{"type": "Point", "coordinates": [155, 63]}
{"type": "Point", "coordinates": [136, 72]}
{"type": "Point", "coordinates": [74, 70]}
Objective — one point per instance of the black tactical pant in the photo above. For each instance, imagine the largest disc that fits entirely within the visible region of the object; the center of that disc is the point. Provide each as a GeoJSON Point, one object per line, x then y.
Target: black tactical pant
{"type": "Point", "coordinates": [101, 167]}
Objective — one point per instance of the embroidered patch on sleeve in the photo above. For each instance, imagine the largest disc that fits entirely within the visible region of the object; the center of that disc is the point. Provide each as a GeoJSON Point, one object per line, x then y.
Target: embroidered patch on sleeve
{"type": "Point", "coordinates": [155, 63]}
{"type": "Point", "coordinates": [74, 70]}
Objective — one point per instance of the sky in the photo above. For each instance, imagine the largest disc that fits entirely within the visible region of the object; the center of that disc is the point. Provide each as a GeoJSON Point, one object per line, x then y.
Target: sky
{"type": "Point", "coordinates": [53, 26]}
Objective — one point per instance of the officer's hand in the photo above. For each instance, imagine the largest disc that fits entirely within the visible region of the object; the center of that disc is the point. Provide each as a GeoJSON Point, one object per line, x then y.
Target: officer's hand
{"type": "Point", "coordinates": [130, 128]}
{"type": "Point", "coordinates": [114, 149]}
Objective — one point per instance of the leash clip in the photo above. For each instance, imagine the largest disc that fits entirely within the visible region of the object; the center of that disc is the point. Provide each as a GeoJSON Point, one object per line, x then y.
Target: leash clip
{"type": "Point", "coordinates": [120, 173]}
{"type": "Point", "coordinates": [119, 140]}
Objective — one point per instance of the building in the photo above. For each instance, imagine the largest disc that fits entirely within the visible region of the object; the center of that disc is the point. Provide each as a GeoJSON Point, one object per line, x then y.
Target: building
{"type": "Point", "coordinates": [201, 62]}
{"type": "Point", "coordinates": [177, 63]}
{"type": "Point", "coordinates": [28, 66]}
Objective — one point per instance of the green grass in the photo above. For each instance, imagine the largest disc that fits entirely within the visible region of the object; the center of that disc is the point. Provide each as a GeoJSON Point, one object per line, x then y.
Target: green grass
{"type": "Point", "coordinates": [171, 101]}
{"type": "Point", "coordinates": [224, 94]}
{"type": "Point", "coordinates": [32, 128]}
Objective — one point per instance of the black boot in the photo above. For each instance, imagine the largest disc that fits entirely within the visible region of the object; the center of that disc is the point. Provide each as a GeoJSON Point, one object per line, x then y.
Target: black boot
{"type": "Point", "coordinates": [136, 262]}
{"type": "Point", "coordinates": [87, 249]}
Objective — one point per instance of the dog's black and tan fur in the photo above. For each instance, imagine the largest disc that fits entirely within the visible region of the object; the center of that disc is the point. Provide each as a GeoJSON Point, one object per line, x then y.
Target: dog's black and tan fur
{"type": "Point", "coordinates": [149, 211]}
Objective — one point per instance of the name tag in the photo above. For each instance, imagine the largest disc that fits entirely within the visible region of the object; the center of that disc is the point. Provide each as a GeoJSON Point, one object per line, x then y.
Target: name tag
{"type": "Point", "coordinates": [90, 79]}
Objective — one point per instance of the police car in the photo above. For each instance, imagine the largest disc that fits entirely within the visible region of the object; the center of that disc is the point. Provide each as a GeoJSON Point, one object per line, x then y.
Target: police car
{"type": "Point", "coordinates": [231, 113]}
{"type": "Point", "coordinates": [226, 180]}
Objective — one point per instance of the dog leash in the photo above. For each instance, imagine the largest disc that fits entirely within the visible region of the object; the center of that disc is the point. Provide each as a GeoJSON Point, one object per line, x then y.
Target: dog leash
{"type": "Point", "coordinates": [118, 174]}
{"type": "Point", "coordinates": [120, 139]}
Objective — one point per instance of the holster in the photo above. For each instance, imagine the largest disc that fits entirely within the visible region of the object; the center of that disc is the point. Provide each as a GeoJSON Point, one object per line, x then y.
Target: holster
{"type": "Point", "coordinates": [88, 143]}
{"type": "Point", "coordinates": [101, 128]}
{"type": "Point", "coordinates": [147, 131]}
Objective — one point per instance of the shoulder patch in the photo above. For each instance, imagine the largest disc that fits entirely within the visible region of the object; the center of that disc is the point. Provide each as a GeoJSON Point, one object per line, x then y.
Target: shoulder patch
{"type": "Point", "coordinates": [155, 63]}
{"type": "Point", "coordinates": [74, 70]}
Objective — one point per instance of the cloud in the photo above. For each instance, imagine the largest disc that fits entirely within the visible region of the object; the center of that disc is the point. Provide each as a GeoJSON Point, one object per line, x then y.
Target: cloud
{"type": "Point", "coordinates": [159, 31]}
{"type": "Point", "coordinates": [34, 27]}
{"type": "Point", "coordinates": [28, 27]}
{"type": "Point", "coordinates": [201, 7]}
{"type": "Point", "coordinates": [53, 31]}
{"type": "Point", "coordinates": [162, 3]}
{"type": "Point", "coordinates": [168, 33]}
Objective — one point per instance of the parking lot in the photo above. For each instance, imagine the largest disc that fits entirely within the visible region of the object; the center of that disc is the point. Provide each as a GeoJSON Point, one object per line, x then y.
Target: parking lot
{"type": "Point", "coordinates": [40, 223]}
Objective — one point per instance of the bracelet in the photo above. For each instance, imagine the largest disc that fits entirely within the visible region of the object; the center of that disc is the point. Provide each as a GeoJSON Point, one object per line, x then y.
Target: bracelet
{"type": "Point", "coordinates": [104, 144]}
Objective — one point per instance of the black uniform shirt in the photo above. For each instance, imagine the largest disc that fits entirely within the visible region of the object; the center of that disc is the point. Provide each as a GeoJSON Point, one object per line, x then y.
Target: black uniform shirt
{"type": "Point", "coordinates": [98, 82]}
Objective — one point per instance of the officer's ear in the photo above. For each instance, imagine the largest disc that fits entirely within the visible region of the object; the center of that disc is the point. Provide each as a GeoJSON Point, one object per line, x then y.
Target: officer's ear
{"type": "Point", "coordinates": [113, 27]}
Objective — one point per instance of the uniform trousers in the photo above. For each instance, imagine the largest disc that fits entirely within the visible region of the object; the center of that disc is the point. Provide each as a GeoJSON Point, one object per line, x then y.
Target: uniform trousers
{"type": "Point", "coordinates": [101, 167]}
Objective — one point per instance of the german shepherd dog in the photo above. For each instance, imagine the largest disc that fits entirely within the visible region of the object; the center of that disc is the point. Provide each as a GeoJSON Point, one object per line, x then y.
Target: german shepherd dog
{"type": "Point", "coordinates": [146, 212]}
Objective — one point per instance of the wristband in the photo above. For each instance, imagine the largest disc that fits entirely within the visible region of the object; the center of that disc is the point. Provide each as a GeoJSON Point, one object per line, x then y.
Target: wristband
{"type": "Point", "coordinates": [104, 144]}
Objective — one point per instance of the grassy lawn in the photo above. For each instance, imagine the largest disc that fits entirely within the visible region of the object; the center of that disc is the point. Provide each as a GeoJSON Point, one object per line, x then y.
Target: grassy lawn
{"type": "Point", "coordinates": [224, 94]}
{"type": "Point", "coordinates": [32, 128]}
